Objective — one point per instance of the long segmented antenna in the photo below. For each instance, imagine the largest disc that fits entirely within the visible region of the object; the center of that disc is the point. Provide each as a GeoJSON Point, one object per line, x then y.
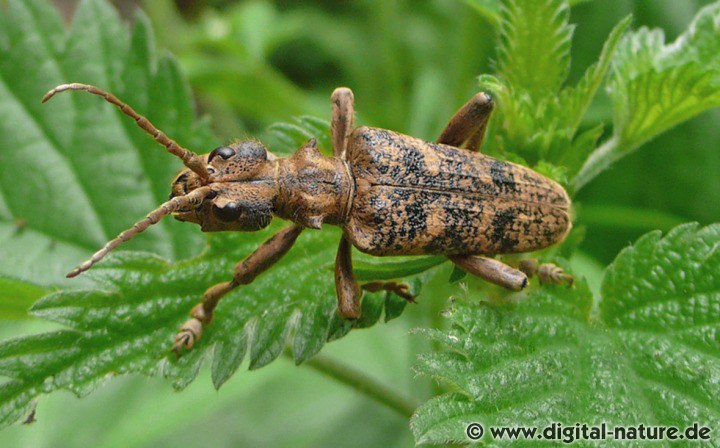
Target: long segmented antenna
{"type": "Point", "coordinates": [192, 200]}
{"type": "Point", "coordinates": [189, 158]}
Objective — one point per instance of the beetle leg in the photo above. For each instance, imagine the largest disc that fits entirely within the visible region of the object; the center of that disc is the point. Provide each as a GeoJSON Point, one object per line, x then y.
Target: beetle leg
{"type": "Point", "coordinates": [467, 127]}
{"type": "Point", "coordinates": [401, 289]}
{"type": "Point", "coordinates": [546, 272]}
{"type": "Point", "coordinates": [343, 116]}
{"type": "Point", "coordinates": [491, 270]}
{"type": "Point", "coordinates": [246, 271]}
{"type": "Point", "coordinates": [348, 291]}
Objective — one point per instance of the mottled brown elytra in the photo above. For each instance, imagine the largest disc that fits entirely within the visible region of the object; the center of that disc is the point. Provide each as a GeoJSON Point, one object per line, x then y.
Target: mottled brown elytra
{"type": "Point", "coordinates": [390, 193]}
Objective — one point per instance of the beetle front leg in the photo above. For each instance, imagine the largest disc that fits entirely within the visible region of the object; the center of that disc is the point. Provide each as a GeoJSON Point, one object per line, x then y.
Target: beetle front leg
{"type": "Point", "coordinates": [467, 127]}
{"type": "Point", "coordinates": [343, 116]}
{"type": "Point", "coordinates": [269, 253]}
{"type": "Point", "coordinates": [491, 270]}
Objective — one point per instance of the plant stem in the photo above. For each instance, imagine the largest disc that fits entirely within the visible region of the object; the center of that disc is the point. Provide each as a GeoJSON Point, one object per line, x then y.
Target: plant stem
{"type": "Point", "coordinates": [600, 159]}
{"type": "Point", "coordinates": [364, 384]}
{"type": "Point", "coordinates": [626, 217]}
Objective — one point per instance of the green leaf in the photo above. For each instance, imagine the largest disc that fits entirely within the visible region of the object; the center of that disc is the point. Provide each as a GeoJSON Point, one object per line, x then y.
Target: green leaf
{"type": "Point", "coordinates": [16, 296]}
{"type": "Point", "coordinates": [535, 37]}
{"type": "Point", "coordinates": [128, 325]}
{"type": "Point", "coordinates": [456, 275]}
{"type": "Point", "coordinates": [77, 158]}
{"type": "Point", "coordinates": [540, 119]}
{"type": "Point", "coordinates": [574, 101]}
{"type": "Point", "coordinates": [368, 268]}
{"type": "Point", "coordinates": [490, 9]}
{"type": "Point", "coordinates": [656, 86]}
{"type": "Point", "coordinates": [286, 138]}
{"type": "Point", "coordinates": [649, 353]}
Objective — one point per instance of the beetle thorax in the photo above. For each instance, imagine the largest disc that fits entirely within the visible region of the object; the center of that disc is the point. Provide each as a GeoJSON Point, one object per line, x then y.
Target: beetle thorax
{"type": "Point", "coordinates": [313, 189]}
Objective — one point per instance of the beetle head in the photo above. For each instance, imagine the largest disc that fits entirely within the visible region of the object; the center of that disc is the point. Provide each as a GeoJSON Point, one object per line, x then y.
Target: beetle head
{"type": "Point", "coordinates": [231, 188]}
{"type": "Point", "coordinates": [243, 189]}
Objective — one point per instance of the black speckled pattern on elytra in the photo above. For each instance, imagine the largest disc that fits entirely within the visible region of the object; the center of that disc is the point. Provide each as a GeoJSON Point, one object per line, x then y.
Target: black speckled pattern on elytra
{"type": "Point", "coordinates": [415, 197]}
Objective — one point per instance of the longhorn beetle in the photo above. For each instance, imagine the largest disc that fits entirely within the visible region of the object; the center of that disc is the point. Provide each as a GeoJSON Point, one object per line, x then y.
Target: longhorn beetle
{"type": "Point", "coordinates": [391, 194]}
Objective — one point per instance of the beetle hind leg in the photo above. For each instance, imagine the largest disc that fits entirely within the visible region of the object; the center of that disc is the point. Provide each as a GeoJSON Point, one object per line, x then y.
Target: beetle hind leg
{"type": "Point", "coordinates": [491, 270]}
{"type": "Point", "coordinates": [546, 272]}
{"type": "Point", "coordinates": [501, 274]}
{"type": "Point", "coordinates": [401, 289]}
{"type": "Point", "coordinates": [466, 129]}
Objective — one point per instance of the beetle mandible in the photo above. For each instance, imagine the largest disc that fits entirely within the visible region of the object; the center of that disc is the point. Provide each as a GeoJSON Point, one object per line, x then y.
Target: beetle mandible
{"type": "Point", "coordinates": [391, 194]}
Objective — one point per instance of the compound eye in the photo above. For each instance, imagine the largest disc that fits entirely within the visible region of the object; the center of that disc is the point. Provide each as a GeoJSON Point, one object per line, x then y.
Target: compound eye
{"type": "Point", "coordinates": [223, 151]}
{"type": "Point", "coordinates": [252, 150]}
{"type": "Point", "coordinates": [231, 212]}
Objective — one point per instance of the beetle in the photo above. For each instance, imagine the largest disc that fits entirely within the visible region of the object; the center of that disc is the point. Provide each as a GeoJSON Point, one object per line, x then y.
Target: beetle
{"type": "Point", "coordinates": [391, 194]}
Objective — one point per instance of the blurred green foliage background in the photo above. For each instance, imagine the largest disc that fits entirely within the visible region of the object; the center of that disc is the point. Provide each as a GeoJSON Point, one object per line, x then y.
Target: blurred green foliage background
{"type": "Point", "coordinates": [411, 63]}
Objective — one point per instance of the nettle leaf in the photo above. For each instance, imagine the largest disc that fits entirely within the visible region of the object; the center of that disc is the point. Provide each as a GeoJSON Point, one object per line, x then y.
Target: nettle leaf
{"type": "Point", "coordinates": [491, 9]}
{"type": "Point", "coordinates": [541, 118]}
{"type": "Point", "coordinates": [286, 138]}
{"type": "Point", "coordinates": [656, 86]}
{"type": "Point", "coordinates": [573, 103]}
{"type": "Point", "coordinates": [16, 296]}
{"type": "Point", "coordinates": [76, 158]}
{"type": "Point", "coordinates": [83, 172]}
{"type": "Point", "coordinates": [650, 353]}
{"type": "Point", "coordinates": [535, 45]}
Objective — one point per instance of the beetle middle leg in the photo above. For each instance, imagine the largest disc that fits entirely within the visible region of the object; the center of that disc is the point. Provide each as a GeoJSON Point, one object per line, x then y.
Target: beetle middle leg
{"type": "Point", "coordinates": [269, 253]}
{"type": "Point", "coordinates": [349, 291]}
{"type": "Point", "coordinates": [467, 127]}
{"type": "Point", "coordinates": [346, 286]}
{"type": "Point", "coordinates": [343, 117]}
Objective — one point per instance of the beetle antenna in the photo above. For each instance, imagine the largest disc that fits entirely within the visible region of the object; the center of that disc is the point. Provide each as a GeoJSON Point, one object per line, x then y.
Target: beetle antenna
{"type": "Point", "coordinates": [192, 200]}
{"type": "Point", "coordinates": [189, 158]}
